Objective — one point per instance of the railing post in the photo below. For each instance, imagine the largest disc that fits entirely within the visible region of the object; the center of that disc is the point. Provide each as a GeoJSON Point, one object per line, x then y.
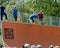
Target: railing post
{"type": "Point", "coordinates": [59, 21]}
{"type": "Point", "coordinates": [50, 21]}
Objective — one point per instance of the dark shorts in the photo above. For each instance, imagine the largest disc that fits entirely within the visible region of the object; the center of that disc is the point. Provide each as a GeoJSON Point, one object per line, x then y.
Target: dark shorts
{"type": "Point", "coordinates": [41, 19]}
{"type": "Point", "coordinates": [15, 17]}
{"type": "Point", "coordinates": [3, 13]}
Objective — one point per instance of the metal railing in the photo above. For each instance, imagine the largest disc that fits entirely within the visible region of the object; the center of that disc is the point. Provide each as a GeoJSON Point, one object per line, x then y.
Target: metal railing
{"type": "Point", "coordinates": [47, 20]}
{"type": "Point", "coordinates": [51, 21]}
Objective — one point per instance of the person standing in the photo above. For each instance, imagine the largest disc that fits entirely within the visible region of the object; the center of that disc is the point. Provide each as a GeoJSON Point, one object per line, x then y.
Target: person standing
{"type": "Point", "coordinates": [15, 11]}
{"type": "Point", "coordinates": [40, 17]}
{"type": "Point", "coordinates": [3, 12]}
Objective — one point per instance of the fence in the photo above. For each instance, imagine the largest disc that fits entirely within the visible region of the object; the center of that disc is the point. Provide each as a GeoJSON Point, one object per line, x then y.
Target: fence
{"type": "Point", "coordinates": [48, 20]}
{"type": "Point", "coordinates": [51, 21]}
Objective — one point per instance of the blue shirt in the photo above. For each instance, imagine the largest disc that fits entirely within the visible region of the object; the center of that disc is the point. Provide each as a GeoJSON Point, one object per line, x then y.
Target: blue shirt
{"type": "Point", "coordinates": [34, 15]}
{"type": "Point", "coordinates": [15, 11]}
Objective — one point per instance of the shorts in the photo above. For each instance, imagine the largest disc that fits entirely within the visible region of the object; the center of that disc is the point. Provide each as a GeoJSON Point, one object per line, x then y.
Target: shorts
{"type": "Point", "coordinates": [40, 19]}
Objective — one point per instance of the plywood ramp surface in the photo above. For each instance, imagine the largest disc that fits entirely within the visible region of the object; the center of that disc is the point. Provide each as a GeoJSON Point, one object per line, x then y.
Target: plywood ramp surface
{"type": "Point", "coordinates": [19, 34]}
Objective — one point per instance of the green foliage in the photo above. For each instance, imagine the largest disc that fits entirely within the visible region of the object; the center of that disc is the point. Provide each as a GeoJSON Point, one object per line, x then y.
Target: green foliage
{"type": "Point", "coordinates": [4, 1]}
{"type": "Point", "coordinates": [49, 7]}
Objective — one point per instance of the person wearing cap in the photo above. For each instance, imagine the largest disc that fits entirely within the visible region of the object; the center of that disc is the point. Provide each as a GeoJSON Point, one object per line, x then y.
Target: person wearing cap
{"type": "Point", "coordinates": [15, 11]}
{"type": "Point", "coordinates": [39, 46]}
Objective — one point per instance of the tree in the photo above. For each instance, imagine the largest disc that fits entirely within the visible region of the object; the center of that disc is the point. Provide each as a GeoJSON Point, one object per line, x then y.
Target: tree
{"type": "Point", "coordinates": [49, 7]}
{"type": "Point", "coordinates": [4, 1]}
